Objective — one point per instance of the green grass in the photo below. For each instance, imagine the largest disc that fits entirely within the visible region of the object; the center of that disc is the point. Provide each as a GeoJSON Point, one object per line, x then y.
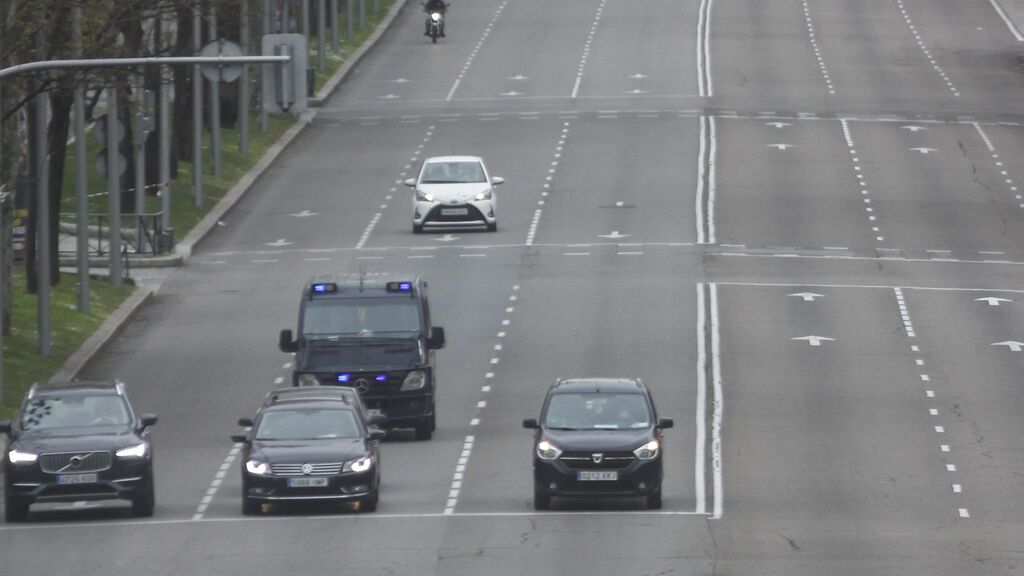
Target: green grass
{"type": "Point", "coordinates": [333, 60]}
{"type": "Point", "coordinates": [70, 328]}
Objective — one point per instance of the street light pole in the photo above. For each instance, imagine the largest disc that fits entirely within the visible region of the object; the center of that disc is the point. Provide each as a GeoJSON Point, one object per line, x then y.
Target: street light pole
{"type": "Point", "coordinates": [197, 111]}
{"type": "Point", "coordinates": [42, 225]}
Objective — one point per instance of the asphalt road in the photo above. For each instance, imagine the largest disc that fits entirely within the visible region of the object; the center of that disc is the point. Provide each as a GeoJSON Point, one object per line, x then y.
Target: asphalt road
{"type": "Point", "coordinates": [799, 222]}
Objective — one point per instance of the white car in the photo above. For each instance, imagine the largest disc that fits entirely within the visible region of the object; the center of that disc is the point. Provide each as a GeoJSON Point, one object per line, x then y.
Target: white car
{"type": "Point", "coordinates": [454, 191]}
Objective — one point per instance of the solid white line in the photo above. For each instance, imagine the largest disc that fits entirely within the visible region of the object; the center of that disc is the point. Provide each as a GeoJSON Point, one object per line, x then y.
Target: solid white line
{"type": "Point", "coordinates": [699, 201]}
{"type": "Point", "coordinates": [455, 86]}
{"type": "Point", "coordinates": [719, 406]}
{"type": "Point", "coordinates": [698, 460]}
{"type": "Point", "coordinates": [712, 152]}
{"type": "Point", "coordinates": [707, 51]}
{"type": "Point", "coordinates": [701, 88]}
{"type": "Point", "coordinates": [1009, 23]}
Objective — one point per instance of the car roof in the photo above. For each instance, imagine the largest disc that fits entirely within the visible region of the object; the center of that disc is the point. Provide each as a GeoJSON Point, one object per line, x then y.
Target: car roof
{"type": "Point", "coordinates": [310, 393]}
{"type": "Point", "coordinates": [320, 403]}
{"type": "Point", "coordinates": [368, 279]}
{"type": "Point", "coordinates": [437, 159]}
{"type": "Point", "coordinates": [81, 388]}
{"type": "Point", "coordinates": [598, 385]}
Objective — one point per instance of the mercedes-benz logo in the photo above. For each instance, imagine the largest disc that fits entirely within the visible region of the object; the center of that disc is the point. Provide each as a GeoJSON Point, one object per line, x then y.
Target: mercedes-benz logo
{"type": "Point", "coordinates": [362, 384]}
{"type": "Point", "coordinates": [307, 469]}
{"type": "Point", "coordinates": [597, 457]}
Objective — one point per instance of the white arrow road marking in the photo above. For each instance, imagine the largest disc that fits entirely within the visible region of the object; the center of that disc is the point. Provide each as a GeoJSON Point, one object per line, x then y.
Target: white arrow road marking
{"type": "Point", "coordinates": [512, 93]}
{"type": "Point", "coordinates": [923, 150]}
{"type": "Point", "coordinates": [400, 80]}
{"type": "Point", "coordinates": [914, 128]}
{"type": "Point", "coordinates": [614, 235]}
{"type": "Point", "coordinates": [808, 296]}
{"type": "Point", "coordinates": [636, 91]}
{"type": "Point", "coordinates": [814, 340]}
{"type": "Point", "coordinates": [390, 97]}
{"type": "Point", "coordinates": [304, 213]}
{"type": "Point", "coordinates": [518, 77]}
{"type": "Point", "coordinates": [1013, 345]}
{"type": "Point", "coordinates": [781, 146]}
{"type": "Point", "coordinates": [779, 124]}
{"type": "Point", "coordinates": [447, 238]}
{"type": "Point", "coordinates": [638, 76]}
{"type": "Point", "coordinates": [278, 243]}
{"type": "Point", "coordinates": [992, 300]}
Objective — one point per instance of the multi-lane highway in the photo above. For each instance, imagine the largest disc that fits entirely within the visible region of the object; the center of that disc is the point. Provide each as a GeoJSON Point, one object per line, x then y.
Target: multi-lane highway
{"type": "Point", "coordinates": [799, 221]}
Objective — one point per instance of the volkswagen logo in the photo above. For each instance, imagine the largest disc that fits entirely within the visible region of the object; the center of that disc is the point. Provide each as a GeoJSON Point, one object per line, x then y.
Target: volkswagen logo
{"type": "Point", "coordinates": [362, 385]}
{"type": "Point", "coordinates": [597, 457]}
{"type": "Point", "coordinates": [307, 469]}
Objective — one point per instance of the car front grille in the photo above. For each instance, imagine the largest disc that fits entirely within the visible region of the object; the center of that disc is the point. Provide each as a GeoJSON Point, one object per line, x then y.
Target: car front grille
{"type": "Point", "coordinates": [609, 460]}
{"type": "Point", "coordinates": [74, 462]}
{"type": "Point", "coordinates": [326, 469]}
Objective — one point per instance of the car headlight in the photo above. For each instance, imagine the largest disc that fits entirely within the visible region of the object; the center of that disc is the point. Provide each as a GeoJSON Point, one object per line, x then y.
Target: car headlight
{"type": "Point", "coordinates": [414, 380]}
{"type": "Point", "coordinates": [19, 457]}
{"type": "Point", "coordinates": [647, 451]}
{"type": "Point", "coordinates": [361, 465]}
{"type": "Point", "coordinates": [258, 468]}
{"type": "Point", "coordinates": [136, 451]}
{"type": "Point", "coordinates": [547, 451]}
{"type": "Point", "coordinates": [308, 380]}
{"type": "Point", "coordinates": [425, 196]}
{"type": "Point", "coordinates": [484, 195]}
{"type": "Point", "coordinates": [435, 16]}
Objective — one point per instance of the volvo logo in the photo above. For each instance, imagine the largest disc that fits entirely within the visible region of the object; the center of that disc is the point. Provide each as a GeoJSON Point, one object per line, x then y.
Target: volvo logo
{"type": "Point", "coordinates": [597, 457]}
{"type": "Point", "coordinates": [76, 461]}
{"type": "Point", "coordinates": [362, 384]}
{"type": "Point", "coordinates": [307, 469]}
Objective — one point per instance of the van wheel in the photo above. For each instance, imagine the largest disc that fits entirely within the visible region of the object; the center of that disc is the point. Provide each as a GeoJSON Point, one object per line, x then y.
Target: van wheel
{"type": "Point", "coordinates": [425, 429]}
{"type": "Point", "coordinates": [654, 501]}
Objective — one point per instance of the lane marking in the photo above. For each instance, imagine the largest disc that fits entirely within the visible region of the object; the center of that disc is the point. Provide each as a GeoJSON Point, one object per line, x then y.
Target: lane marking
{"type": "Point", "coordinates": [817, 49]}
{"type": "Point", "coordinates": [719, 406]}
{"type": "Point", "coordinates": [704, 84]}
{"type": "Point", "coordinates": [1006, 19]}
{"type": "Point", "coordinates": [701, 424]}
{"type": "Point", "coordinates": [924, 48]}
{"type": "Point", "coordinates": [215, 484]}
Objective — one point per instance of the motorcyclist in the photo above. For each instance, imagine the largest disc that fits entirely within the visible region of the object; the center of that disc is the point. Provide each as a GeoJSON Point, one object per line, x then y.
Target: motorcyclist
{"type": "Point", "coordinates": [434, 6]}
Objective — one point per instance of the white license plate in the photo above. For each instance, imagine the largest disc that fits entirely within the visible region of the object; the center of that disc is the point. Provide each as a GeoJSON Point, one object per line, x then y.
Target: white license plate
{"type": "Point", "coordinates": [454, 211]}
{"type": "Point", "coordinates": [307, 482]}
{"type": "Point", "coordinates": [597, 475]}
{"type": "Point", "coordinates": [77, 478]}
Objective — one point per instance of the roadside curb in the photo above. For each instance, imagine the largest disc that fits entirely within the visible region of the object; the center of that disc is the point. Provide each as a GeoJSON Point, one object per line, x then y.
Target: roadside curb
{"type": "Point", "coordinates": [110, 328]}
{"type": "Point", "coordinates": [183, 249]}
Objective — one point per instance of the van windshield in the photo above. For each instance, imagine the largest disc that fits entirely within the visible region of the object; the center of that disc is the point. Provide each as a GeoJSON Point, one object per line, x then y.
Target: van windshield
{"type": "Point", "coordinates": [327, 318]}
{"type": "Point", "coordinates": [585, 411]}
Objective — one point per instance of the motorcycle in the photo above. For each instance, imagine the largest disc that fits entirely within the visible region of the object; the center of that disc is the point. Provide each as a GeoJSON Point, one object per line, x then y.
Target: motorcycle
{"type": "Point", "coordinates": [436, 25]}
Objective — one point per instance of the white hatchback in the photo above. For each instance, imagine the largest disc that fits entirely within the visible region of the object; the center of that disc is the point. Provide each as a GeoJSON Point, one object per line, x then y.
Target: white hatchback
{"type": "Point", "coordinates": [454, 191]}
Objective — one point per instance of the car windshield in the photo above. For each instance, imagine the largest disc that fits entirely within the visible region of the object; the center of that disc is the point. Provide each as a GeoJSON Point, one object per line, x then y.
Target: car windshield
{"type": "Point", "coordinates": [452, 173]}
{"type": "Point", "coordinates": [394, 316]}
{"type": "Point", "coordinates": [307, 424]}
{"type": "Point", "coordinates": [583, 411]}
{"type": "Point", "coordinates": [74, 411]}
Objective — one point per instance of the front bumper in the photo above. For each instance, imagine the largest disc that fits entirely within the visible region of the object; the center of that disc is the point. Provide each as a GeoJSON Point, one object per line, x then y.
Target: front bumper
{"type": "Point", "coordinates": [477, 212]}
{"type": "Point", "coordinates": [639, 478]}
{"type": "Point", "coordinates": [348, 486]}
{"type": "Point", "coordinates": [121, 482]}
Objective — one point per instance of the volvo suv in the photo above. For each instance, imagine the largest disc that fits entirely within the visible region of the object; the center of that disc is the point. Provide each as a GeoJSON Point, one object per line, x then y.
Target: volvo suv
{"type": "Point", "coordinates": [597, 437]}
{"type": "Point", "coordinates": [77, 441]}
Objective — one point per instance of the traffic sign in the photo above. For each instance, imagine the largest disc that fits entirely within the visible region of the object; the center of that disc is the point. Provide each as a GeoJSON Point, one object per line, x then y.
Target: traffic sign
{"type": "Point", "coordinates": [217, 72]}
{"type": "Point", "coordinates": [101, 163]}
{"type": "Point", "coordinates": [100, 130]}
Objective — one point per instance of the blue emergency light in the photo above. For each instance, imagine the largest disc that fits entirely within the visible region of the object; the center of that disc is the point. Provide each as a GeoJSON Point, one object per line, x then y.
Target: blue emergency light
{"type": "Point", "coordinates": [399, 287]}
{"type": "Point", "coordinates": [344, 378]}
{"type": "Point", "coordinates": [323, 288]}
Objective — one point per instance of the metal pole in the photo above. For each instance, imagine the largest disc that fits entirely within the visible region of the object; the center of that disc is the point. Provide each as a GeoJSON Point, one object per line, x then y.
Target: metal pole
{"type": "Point", "coordinates": [309, 43]}
{"type": "Point", "coordinates": [264, 118]}
{"type": "Point", "coordinates": [286, 17]}
{"type": "Point", "coordinates": [113, 189]}
{"type": "Point", "coordinates": [197, 112]}
{"type": "Point", "coordinates": [81, 189]}
{"type": "Point", "coordinates": [138, 141]}
{"type": "Point", "coordinates": [334, 25]}
{"type": "Point", "coordinates": [43, 226]}
{"type": "Point", "coordinates": [215, 99]}
{"type": "Point", "coordinates": [165, 135]}
{"type": "Point", "coordinates": [349, 19]}
{"type": "Point", "coordinates": [362, 14]}
{"type": "Point", "coordinates": [243, 88]}
{"type": "Point", "coordinates": [321, 35]}
{"type": "Point", "coordinates": [376, 6]}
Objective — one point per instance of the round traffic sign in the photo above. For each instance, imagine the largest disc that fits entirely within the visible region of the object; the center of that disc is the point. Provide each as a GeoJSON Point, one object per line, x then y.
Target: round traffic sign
{"type": "Point", "coordinates": [221, 72]}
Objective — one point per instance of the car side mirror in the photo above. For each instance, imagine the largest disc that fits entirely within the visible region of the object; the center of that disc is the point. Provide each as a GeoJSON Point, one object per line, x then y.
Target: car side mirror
{"type": "Point", "coordinates": [245, 422]}
{"type": "Point", "coordinates": [665, 423]}
{"type": "Point", "coordinates": [239, 438]}
{"type": "Point", "coordinates": [376, 419]}
{"type": "Point", "coordinates": [286, 343]}
{"type": "Point", "coordinates": [377, 434]}
{"type": "Point", "coordinates": [497, 181]}
{"type": "Point", "coordinates": [410, 182]}
{"type": "Point", "coordinates": [530, 423]}
{"type": "Point", "coordinates": [5, 427]}
{"type": "Point", "coordinates": [436, 340]}
{"type": "Point", "coordinates": [146, 420]}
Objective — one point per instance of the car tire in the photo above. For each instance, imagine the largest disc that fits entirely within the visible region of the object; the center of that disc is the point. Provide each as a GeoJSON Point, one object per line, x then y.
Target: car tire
{"type": "Point", "coordinates": [144, 502]}
{"type": "Point", "coordinates": [425, 429]}
{"type": "Point", "coordinates": [541, 501]}
{"type": "Point", "coordinates": [251, 507]}
{"type": "Point", "coordinates": [14, 510]}
{"type": "Point", "coordinates": [369, 504]}
{"type": "Point", "coordinates": [492, 227]}
{"type": "Point", "coordinates": [654, 500]}
{"type": "Point", "coordinates": [417, 228]}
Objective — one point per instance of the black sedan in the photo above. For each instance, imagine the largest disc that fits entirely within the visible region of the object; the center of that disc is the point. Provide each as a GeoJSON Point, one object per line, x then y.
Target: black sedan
{"type": "Point", "coordinates": [309, 451]}
{"type": "Point", "coordinates": [597, 437]}
{"type": "Point", "coordinates": [75, 442]}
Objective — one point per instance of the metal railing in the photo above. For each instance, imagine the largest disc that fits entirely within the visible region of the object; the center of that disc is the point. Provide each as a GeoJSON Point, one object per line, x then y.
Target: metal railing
{"type": "Point", "coordinates": [140, 234]}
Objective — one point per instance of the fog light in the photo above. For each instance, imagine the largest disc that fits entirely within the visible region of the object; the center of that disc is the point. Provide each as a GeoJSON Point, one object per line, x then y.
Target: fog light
{"type": "Point", "coordinates": [257, 490]}
{"type": "Point", "coordinates": [553, 486]}
{"type": "Point", "coordinates": [360, 488]}
{"type": "Point", "coordinates": [642, 486]}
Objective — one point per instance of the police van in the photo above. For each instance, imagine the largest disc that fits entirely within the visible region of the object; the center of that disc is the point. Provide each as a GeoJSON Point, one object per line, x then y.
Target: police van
{"type": "Point", "coordinates": [371, 332]}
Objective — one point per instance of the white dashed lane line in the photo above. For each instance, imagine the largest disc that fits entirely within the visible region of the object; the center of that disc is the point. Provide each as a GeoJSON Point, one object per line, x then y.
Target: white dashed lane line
{"type": "Point", "coordinates": [476, 50]}
{"type": "Point", "coordinates": [816, 48]}
{"type": "Point", "coordinates": [548, 179]}
{"type": "Point", "coordinates": [861, 182]}
{"type": "Point", "coordinates": [925, 49]}
{"type": "Point", "coordinates": [1003, 172]}
{"type": "Point", "coordinates": [586, 49]}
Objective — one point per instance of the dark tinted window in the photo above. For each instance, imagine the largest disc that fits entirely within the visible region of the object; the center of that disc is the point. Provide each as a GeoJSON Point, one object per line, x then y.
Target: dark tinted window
{"type": "Point", "coordinates": [585, 411]}
{"type": "Point", "coordinates": [360, 316]}
{"type": "Point", "coordinates": [73, 411]}
{"type": "Point", "coordinates": [307, 424]}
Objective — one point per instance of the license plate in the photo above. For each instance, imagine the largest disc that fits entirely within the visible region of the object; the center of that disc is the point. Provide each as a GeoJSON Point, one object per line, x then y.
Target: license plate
{"type": "Point", "coordinates": [601, 476]}
{"type": "Point", "coordinates": [307, 482]}
{"type": "Point", "coordinates": [77, 478]}
{"type": "Point", "coordinates": [454, 211]}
